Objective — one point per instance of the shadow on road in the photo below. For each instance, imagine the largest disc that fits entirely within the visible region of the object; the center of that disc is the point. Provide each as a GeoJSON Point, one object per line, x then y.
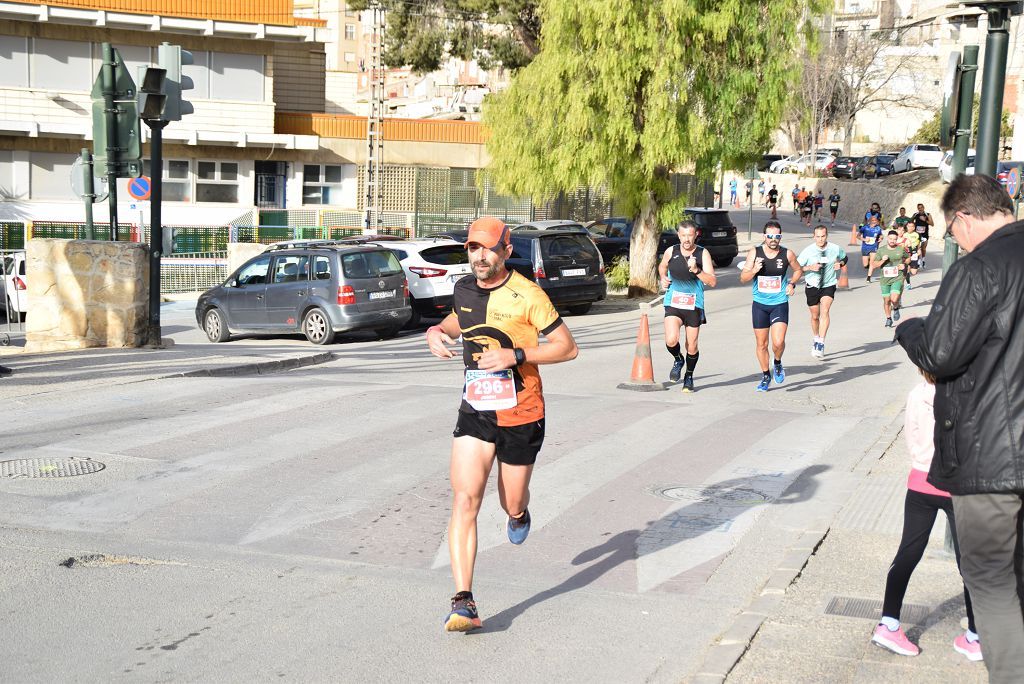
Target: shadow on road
{"type": "Point", "coordinates": [717, 506]}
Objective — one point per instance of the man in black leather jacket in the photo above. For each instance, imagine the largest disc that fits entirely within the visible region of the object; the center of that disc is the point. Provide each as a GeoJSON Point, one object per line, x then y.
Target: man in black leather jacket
{"type": "Point", "coordinates": [973, 342]}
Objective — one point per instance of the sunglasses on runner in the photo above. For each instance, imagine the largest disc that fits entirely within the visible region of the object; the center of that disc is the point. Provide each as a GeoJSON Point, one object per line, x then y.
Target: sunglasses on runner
{"type": "Point", "coordinates": [773, 236]}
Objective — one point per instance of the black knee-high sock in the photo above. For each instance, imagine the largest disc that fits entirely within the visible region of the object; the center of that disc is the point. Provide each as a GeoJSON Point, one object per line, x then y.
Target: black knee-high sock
{"type": "Point", "coordinates": [691, 362]}
{"type": "Point", "coordinates": [674, 351]}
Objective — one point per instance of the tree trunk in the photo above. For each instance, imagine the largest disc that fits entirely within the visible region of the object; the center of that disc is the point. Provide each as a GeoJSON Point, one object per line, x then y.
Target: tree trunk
{"type": "Point", "coordinates": [643, 251]}
{"type": "Point", "coordinates": [848, 135]}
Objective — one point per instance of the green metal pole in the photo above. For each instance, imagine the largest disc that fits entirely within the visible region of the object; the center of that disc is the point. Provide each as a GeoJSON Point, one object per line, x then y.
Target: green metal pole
{"type": "Point", "coordinates": [992, 81]}
{"type": "Point", "coordinates": [110, 114]}
{"type": "Point", "coordinates": [965, 115]}
{"type": "Point", "coordinates": [750, 202]}
{"type": "Point", "coordinates": [88, 192]}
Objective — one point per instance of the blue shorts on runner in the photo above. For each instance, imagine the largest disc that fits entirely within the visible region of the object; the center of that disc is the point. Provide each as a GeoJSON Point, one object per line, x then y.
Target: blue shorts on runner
{"type": "Point", "coordinates": [767, 315]}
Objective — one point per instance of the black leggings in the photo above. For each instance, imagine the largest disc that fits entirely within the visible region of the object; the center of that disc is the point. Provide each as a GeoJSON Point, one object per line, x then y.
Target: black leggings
{"type": "Point", "coordinates": [919, 511]}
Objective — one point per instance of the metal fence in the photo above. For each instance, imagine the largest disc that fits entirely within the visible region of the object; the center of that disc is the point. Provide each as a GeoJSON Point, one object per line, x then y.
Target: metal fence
{"type": "Point", "coordinates": [192, 272]}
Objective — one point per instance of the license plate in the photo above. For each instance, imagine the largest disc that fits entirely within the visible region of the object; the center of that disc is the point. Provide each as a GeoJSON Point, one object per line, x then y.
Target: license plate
{"type": "Point", "coordinates": [574, 271]}
{"type": "Point", "coordinates": [719, 233]}
{"type": "Point", "coordinates": [385, 294]}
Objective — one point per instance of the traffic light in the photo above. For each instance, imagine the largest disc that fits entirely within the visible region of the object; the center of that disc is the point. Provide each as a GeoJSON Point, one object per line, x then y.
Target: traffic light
{"type": "Point", "coordinates": [169, 235]}
{"type": "Point", "coordinates": [125, 150]}
{"type": "Point", "coordinates": [152, 99]}
{"type": "Point", "coordinates": [172, 58]}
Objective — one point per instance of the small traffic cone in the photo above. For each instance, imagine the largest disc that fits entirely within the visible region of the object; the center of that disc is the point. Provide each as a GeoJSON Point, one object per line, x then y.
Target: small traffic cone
{"type": "Point", "coordinates": [853, 235]}
{"type": "Point", "coordinates": [843, 281]}
{"type": "Point", "coordinates": [641, 378]}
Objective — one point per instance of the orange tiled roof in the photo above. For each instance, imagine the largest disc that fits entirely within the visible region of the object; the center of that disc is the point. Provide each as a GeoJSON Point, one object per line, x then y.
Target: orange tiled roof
{"type": "Point", "coordinates": [275, 12]}
{"type": "Point", "coordinates": [354, 127]}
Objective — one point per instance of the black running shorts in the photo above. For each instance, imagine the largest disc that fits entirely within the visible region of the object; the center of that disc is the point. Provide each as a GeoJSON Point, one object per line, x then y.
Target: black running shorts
{"type": "Point", "coordinates": [515, 445]}
{"type": "Point", "coordinates": [691, 318]}
{"type": "Point", "coordinates": [814, 294]}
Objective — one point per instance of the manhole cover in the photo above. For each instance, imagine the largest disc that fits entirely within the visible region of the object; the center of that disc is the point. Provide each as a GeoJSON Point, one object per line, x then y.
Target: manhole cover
{"type": "Point", "coordinates": [48, 467]}
{"type": "Point", "coordinates": [736, 496]}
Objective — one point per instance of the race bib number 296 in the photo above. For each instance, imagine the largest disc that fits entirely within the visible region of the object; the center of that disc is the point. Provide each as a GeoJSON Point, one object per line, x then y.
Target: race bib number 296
{"type": "Point", "coordinates": [490, 390]}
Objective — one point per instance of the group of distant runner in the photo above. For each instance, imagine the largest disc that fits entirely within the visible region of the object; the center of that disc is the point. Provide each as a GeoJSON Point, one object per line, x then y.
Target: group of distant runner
{"type": "Point", "coordinates": [773, 271]}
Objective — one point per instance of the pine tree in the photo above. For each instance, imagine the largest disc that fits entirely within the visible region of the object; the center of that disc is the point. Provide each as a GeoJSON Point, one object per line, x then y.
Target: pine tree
{"type": "Point", "coordinates": [624, 92]}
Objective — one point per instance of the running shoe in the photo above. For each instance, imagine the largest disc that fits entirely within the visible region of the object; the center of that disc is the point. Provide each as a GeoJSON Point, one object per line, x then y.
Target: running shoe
{"type": "Point", "coordinates": [519, 528]}
{"type": "Point", "coordinates": [970, 649]}
{"type": "Point", "coordinates": [909, 286]}
{"type": "Point", "coordinates": [780, 374]}
{"type": "Point", "coordinates": [677, 370]}
{"type": "Point", "coordinates": [868, 279]}
{"type": "Point", "coordinates": [763, 385]}
{"type": "Point", "coordinates": [463, 617]}
{"type": "Point", "coordinates": [897, 641]}
{"type": "Point", "coordinates": [821, 350]}
{"type": "Point", "coordinates": [814, 349]}
{"type": "Point", "coordinates": [688, 383]}
{"type": "Point", "coordinates": [888, 322]}
{"type": "Point", "coordinates": [895, 313]}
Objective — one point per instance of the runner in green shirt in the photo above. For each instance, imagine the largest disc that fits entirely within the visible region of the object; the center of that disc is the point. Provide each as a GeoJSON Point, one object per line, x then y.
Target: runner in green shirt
{"type": "Point", "coordinates": [902, 220]}
{"type": "Point", "coordinates": [891, 258]}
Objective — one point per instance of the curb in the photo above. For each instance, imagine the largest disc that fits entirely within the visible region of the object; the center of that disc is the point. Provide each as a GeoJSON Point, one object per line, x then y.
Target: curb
{"type": "Point", "coordinates": [730, 646]}
{"type": "Point", "coordinates": [259, 368]}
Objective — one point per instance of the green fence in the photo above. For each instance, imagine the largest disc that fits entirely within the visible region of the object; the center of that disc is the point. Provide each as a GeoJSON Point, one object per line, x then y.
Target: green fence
{"type": "Point", "coordinates": [12, 235]}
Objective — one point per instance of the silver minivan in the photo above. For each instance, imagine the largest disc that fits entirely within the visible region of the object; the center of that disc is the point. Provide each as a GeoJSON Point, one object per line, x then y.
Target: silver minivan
{"type": "Point", "coordinates": [316, 288]}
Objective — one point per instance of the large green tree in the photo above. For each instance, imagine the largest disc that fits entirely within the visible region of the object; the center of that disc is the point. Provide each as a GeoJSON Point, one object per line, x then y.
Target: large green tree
{"type": "Point", "coordinates": [623, 92]}
{"type": "Point", "coordinates": [422, 34]}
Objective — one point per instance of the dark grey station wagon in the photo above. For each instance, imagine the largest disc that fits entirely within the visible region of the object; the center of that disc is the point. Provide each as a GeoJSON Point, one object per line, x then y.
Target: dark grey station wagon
{"type": "Point", "coordinates": [316, 288]}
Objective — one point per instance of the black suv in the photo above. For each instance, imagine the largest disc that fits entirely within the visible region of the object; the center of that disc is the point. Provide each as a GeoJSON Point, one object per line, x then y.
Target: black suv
{"type": "Point", "coordinates": [565, 263]}
{"type": "Point", "coordinates": [715, 233]}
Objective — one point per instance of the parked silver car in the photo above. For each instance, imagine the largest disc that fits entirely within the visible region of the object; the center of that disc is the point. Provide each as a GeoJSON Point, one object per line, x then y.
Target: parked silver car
{"type": "Point", "coordinates": [316, 288]}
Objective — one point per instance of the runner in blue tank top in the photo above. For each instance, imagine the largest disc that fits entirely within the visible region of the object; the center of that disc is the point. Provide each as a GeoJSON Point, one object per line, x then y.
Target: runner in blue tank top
{"type": "Point", "coordinates": [685, 271]}
{"type": "Point", "coordinates": [771, 269]}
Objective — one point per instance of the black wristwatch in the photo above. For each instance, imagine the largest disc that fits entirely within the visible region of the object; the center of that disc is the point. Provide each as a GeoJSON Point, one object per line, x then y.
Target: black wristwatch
{"type": "Point", "coordinates": [520, 356]}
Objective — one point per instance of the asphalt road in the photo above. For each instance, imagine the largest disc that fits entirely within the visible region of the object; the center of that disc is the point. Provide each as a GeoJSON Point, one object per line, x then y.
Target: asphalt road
{"type": "Point", "coordinates": [292, 526]}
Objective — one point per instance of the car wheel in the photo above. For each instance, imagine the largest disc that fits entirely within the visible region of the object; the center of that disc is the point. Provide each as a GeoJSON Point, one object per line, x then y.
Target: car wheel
{"type": "Point", "coordinates": [722, 263]}
{"type": "Point", "coordinates": [387, 333]}
{"type": "Point", "coordinates": [579, 309]}
{"type": "Point", "coordinates": [316, 326]}
{"type": "Point", "coordinates": [215, 327]}
{"type": "Point", "coordinates": [416, 317]}
{"type": "Point", "coordinates": [17, 316]}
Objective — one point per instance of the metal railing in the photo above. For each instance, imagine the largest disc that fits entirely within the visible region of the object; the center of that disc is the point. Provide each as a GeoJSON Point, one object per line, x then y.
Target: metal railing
{"type": "Point", "coordinates": [195, 272]}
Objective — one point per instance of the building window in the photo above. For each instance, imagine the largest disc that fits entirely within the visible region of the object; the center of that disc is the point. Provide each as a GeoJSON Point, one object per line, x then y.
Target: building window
{"type": "Point", "coordinates": [61, 65]}
{"type": "Point", "coordinates": [350, 31]}
{"type": "Point", "coordinates": [177, 185]}
{"type": "Point", "coordinates": [50, 175]}
{"type": "Point", "coordinates": [217, 182]}
{"type": "Point", "coordinates": [13, 61]}
{"type": "Point", "coordinates": [321, 184]}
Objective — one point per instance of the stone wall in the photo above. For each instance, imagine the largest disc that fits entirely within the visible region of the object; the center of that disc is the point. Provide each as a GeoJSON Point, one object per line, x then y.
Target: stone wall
{"type": "Point", "coordinates": [86, 293]}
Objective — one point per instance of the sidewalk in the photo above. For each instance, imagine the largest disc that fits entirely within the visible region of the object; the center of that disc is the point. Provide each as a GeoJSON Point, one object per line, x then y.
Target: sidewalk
{"type": "Point", "coordinates": [821, 629]}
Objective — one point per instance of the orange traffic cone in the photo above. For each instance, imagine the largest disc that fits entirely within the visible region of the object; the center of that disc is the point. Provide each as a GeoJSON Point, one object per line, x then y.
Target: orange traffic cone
{"type": "Point", "coordinates": [853, 235]}
{"type": "Point", "coordinates": [641, 378]}
{"type": "Point", "coordinates": [843, 281]}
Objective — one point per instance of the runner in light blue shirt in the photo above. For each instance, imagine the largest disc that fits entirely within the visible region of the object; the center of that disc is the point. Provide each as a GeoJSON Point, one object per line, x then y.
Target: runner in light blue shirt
{"type": "Point", "coordinates": [822, 263]}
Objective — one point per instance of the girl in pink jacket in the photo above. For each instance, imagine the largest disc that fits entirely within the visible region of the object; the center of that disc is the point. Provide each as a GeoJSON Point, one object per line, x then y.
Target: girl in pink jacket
{"type": "Point", "coordinates": [922, 503]}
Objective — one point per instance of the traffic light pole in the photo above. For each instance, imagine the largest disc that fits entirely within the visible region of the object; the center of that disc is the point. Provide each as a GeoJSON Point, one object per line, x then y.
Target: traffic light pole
{"type": "Point", "coordinates": [993, 79]}
{"type": "Point", "coordinates": [962, 143]}
{"type": "Point", "coordinates": [89, 192]}
{"type": "Point", "coordinates": [110, 114]}
{"type": "Point", "coordinates": [156, 229]}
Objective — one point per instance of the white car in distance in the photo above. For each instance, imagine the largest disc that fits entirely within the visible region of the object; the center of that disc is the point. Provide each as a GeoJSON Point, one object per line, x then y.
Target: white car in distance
{"type": "Point", "coordinates": [432, 266]}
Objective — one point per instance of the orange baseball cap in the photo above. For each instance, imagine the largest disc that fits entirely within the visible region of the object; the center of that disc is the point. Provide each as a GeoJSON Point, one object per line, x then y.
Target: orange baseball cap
{"type": "Point", "coordinates": [488, 231]}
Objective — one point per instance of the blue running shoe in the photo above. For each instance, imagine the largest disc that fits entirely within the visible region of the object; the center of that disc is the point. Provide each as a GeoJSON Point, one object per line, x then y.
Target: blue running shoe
{"type": "Point", "coordinates": [519, 528]}
{"type": "Point", "coordinates": [687, 383]}
{"type": "Point", "coordinates": [463, 617]}
{"type": "Point", "coordinates": [763, 385]}
{"type": "Point", "coordinates": [677, 370]}
{"type": "Point", "coordinates": [895, 313]}
{"type": "Point", "coordinates": [780, 374]}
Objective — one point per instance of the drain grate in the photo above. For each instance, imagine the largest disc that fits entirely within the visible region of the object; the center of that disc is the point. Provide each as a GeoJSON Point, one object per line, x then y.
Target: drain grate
{"type": "Point", "coordinates": [871, 609]}
{"type": "Point", "coordinates": [48, 467]}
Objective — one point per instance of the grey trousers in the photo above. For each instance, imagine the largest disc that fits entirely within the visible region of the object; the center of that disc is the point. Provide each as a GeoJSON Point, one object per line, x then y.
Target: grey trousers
{"type": "Point", "coordinates": [991, 532]}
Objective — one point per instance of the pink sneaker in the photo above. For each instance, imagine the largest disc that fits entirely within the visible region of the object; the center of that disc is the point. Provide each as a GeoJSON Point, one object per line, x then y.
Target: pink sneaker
{"type": "Point", "coordinates": [970, 649]}
{"type": "Point", "coordinates": [897, 641]}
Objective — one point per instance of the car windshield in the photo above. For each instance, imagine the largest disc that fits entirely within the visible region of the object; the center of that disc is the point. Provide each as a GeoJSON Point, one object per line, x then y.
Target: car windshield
{"type": "Point", "coordinates": [446, 255]}
{"type": "Point", "coordinates": [843, 160]}
{"type": "Point", "coordinates": [609, 228]}
{"type": "Point", "coordinates": [884, 158]}
{"type": "Point", "coordinates": [568, 247]}
{"type": "Point", "coordinates": [928, 148]}
{"type": "Point", "coordinates": [370, 264]}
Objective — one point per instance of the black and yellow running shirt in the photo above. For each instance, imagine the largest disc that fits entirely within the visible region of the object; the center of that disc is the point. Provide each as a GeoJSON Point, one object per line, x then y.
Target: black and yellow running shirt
{"type": "Point", "coordinates": [514, 314]}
